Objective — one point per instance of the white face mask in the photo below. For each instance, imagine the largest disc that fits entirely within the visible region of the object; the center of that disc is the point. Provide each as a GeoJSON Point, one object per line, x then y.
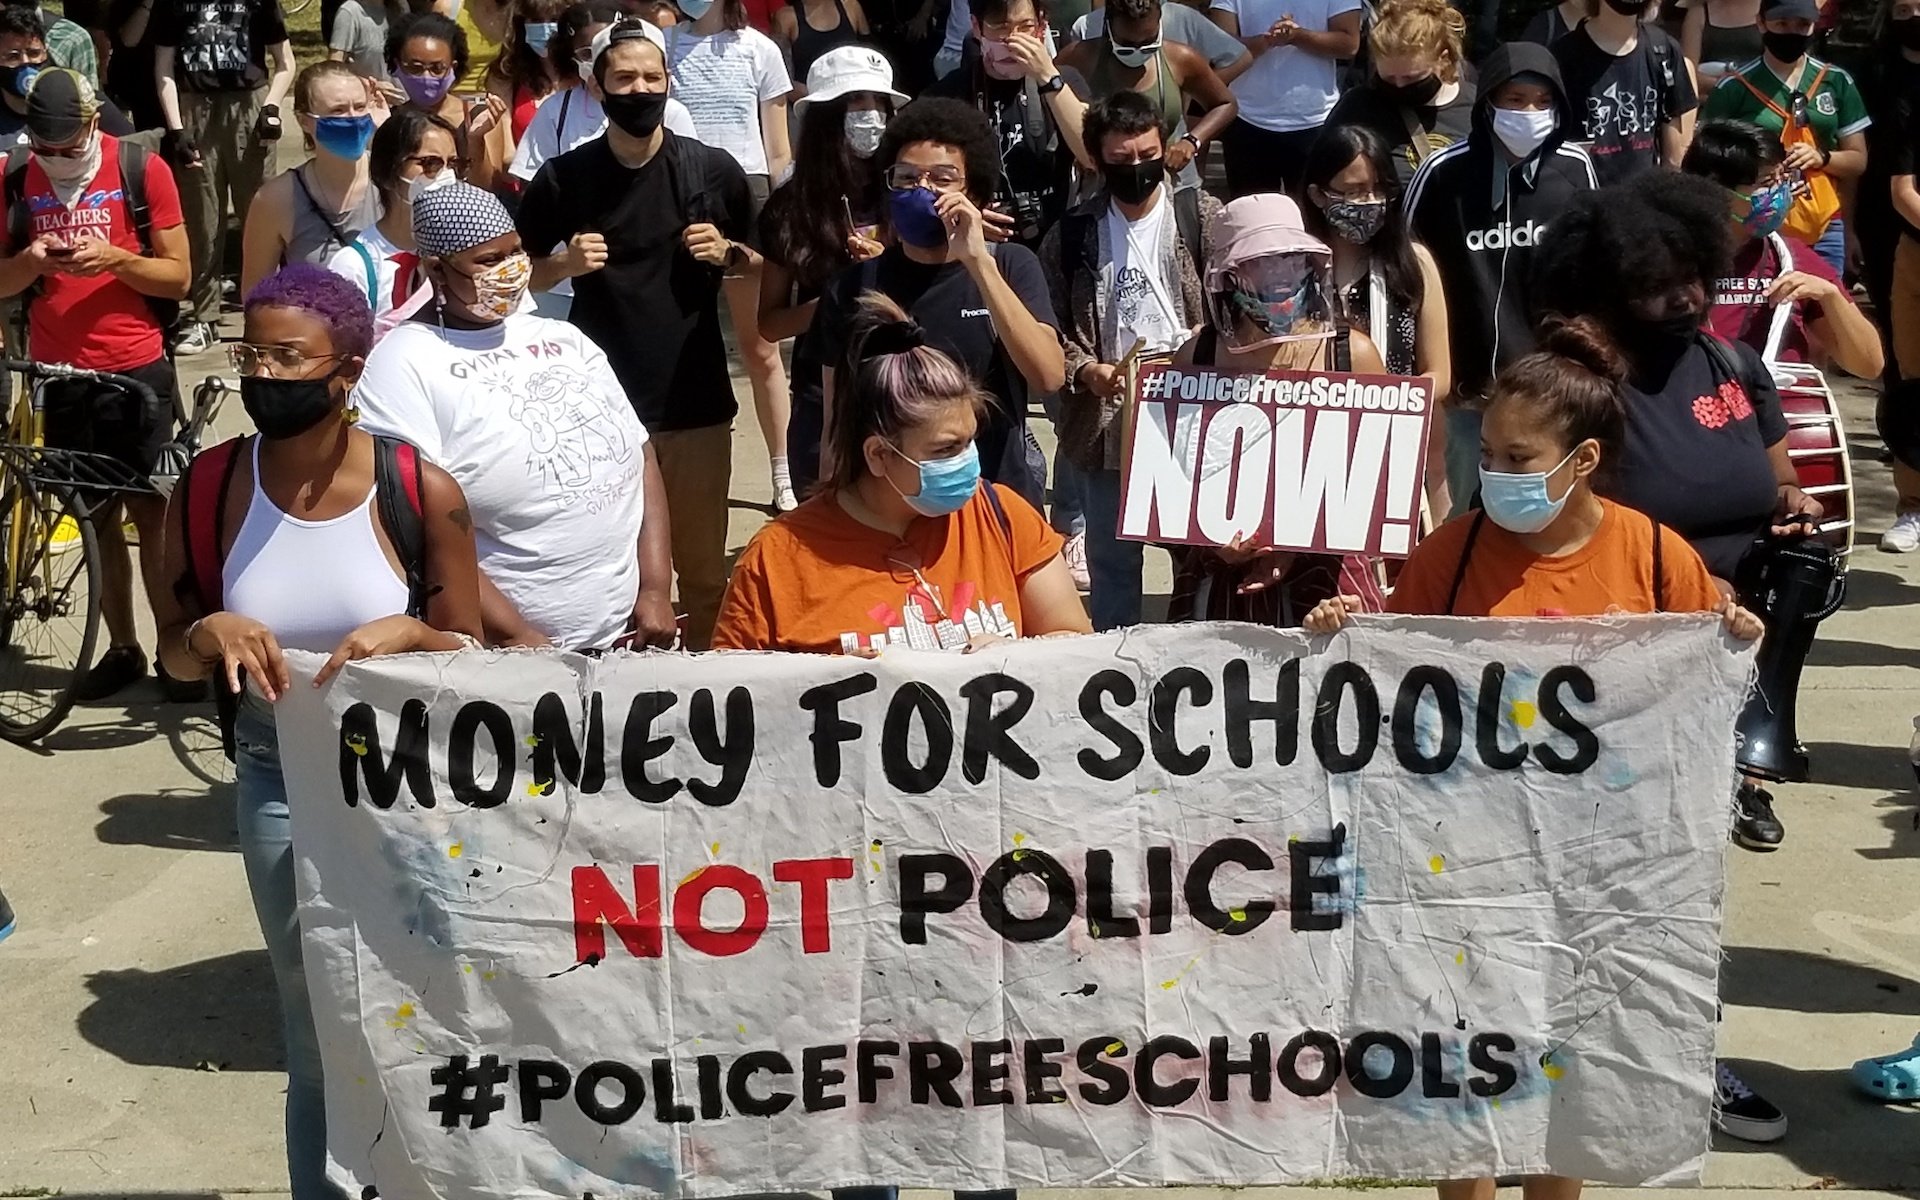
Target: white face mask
{"type": "Point", "coordinates": [1523, 130]}
{"type": "Point", "coordinates": [64, 172]}
{"type": "Point", "coordinates": [864, 130]}
{"type": "Point", "coordinates": [420, 185]}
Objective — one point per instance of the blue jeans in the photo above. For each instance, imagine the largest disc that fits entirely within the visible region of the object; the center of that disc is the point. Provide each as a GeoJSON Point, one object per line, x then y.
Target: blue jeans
{"type": "Point", "coordinates": [1069, 506]}
{"type": "Point", "coordinates": [266, 843]}
{"type": "Point", "coordinates": [1832, 246]}
{"type": "Point", "coordinates": [1113, 567]}
{"type": "Point", "coordinates": [1463, 458]}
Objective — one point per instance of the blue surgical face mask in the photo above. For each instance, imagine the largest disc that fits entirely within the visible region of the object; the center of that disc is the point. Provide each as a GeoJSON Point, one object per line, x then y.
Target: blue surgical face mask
{"type": "Point", "coordinates": [536, 34]}
{"type": "Point", "coordinates": [946, 484]}
{"type": "Point", "coordinates": [914, 219]}
{"type": "Point", "coordinates": [1520, 503]}
{"type": "Point", "coordinates": [1767, 210]}
{"type": "Point", "coordinates": [344, 137]}
{"type": "Point", "coordinates": [693, 10]}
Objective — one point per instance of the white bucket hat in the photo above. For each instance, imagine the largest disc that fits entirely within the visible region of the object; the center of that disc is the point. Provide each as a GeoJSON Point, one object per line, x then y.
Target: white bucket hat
{"type": "Point", "coordinates": [845, 70]}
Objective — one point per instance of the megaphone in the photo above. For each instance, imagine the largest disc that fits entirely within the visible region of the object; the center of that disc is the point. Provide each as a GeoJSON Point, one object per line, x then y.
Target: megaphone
{"type": "Point", "coordinates": [1792, 584]}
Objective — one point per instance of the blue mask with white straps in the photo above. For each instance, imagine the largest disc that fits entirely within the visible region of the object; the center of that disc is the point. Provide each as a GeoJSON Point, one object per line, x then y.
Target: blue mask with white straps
{"type": "Point", "coordinates": [946, 484]}
{"type": "Point", "coordinates": [1521, 503]}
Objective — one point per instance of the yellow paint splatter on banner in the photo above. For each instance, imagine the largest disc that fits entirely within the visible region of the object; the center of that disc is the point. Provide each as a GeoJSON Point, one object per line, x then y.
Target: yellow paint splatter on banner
{"type": "Point", "coordinates": [1524, 713]}
{"type": "Point", "coordinates": [1437, 863]}
{"type": "Point", "coordinates": [456, 850]}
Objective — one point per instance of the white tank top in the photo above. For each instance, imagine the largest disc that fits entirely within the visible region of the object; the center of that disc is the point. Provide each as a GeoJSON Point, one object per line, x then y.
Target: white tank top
{"type": "Point", "coordinates": [310, 582]}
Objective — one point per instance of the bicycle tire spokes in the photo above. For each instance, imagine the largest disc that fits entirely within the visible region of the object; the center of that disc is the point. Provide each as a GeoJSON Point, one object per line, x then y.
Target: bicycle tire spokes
{"type": "Point", "coordinates": [51, 612]}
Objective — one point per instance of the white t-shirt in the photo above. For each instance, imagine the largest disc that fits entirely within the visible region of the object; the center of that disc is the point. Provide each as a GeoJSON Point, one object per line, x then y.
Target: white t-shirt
{"type": "Point", "coordinates": [1142, 302]}
{"type": "Point", "coordinates": [723, 79]}
{"type": "Point", "coordinates": [372, 265]}
{"type": "Point", "coordinates": [528, 417]}
{"type": "Point", "coordinates": [1286, 89]}
{"type": "Point", "coordinates": [959, 25]}
{"type": "Point", "coordinates": [566, 120]}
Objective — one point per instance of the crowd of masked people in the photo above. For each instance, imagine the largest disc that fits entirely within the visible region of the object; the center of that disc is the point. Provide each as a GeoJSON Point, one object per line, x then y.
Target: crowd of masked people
{"type": "Point", "coordinates": [487, 318]}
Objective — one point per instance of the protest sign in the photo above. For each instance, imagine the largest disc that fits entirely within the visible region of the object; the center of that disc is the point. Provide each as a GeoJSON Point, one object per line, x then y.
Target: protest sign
{"type": "Point", "coordinates": [1297, 460]}
{"type": "Point", "coordinates": [1209, 904]}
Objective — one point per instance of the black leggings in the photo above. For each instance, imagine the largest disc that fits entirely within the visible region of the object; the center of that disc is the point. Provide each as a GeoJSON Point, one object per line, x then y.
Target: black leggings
{"type": "Point", "coordinates": [1262, 160]}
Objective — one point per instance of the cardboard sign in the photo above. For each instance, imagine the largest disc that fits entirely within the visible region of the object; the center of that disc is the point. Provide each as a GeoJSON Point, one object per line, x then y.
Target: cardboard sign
{"type": "Point", "coordinates": [1295, 460]}
{"type": "Point", "coordinates": [1201, 905]}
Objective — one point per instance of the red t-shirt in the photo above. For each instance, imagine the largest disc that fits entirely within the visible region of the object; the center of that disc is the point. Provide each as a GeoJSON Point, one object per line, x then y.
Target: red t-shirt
{"type": "Point", "coordinates": [98, 323]}
{"type": "Point", "coordinates": [1741, 312]}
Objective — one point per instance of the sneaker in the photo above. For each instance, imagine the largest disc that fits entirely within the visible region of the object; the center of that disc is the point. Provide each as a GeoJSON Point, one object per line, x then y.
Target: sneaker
{"type": "Point", "coordinates": [6, 917]}
{"type": "Point", "coordinates": [179, 691]}
{"type": "Point", "coordinates": [784, 499]}
{"type": "Point", "coordinates": [1075, 552]}
{"type": "Point", "coordinates": [196, 338]}
{"type": "Point", "coordinates": [1754, 825]}
{"type": "Point", "coordinates": [1904, 537]}
{"type": "Point", "coordinates": [1740, 1113]}
{"type": "Point", "coordinates": [118, 668]}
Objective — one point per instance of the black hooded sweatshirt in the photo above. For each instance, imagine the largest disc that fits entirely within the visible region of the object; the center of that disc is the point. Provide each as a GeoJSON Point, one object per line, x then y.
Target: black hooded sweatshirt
{"type": "Point", "coordinates": [1481, 214]}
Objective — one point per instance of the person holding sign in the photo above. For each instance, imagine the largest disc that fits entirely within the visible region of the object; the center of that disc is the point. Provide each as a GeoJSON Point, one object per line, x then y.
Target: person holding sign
{"type": "Point", "coordinates": [1269, 308]}
{"type": "Point", "coordinates": [902, 546]}
{"type": "Point", "coordinates": [299, 539]}
{"type": "Point", "coordinates": [1124, 270]}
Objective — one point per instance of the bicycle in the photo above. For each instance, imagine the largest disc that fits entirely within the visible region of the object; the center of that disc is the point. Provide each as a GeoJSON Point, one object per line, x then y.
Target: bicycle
{"type": "Point", "coordinates": [50, 567]}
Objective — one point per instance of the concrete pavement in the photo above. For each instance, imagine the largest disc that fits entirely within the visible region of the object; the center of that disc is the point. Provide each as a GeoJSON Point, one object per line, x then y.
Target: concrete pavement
{"type": "Point", "coordinates": [138, 1040]}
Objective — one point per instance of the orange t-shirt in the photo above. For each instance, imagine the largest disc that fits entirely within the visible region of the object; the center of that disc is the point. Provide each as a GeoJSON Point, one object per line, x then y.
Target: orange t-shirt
{"type": "Point", "coordinates": [1612, 573]}
{"type": "Point", "coordinates": [818, 581]}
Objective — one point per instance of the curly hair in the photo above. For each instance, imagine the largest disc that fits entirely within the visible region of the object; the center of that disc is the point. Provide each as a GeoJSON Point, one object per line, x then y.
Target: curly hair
{"type": "Point", "coordinates": [428, 25]}
{"type": "Point", "coordinates": [947, 123]}
{"type": "Point", "coordinates": [340, 306]}
{"type": "Point", "coordinates": [1424, 29]}
{"type": "Point", "coordinates": [1631, 241]}
{"type": "Point", "coordinates": [1132, 10]}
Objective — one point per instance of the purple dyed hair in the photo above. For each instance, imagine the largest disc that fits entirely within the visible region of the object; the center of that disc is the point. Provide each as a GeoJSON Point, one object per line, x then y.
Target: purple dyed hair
{"type": "Point", "coordinates": [340, 306]}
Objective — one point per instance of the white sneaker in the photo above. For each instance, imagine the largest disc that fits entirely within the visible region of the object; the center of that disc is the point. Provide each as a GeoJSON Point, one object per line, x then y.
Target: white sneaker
{"type": "Point", "coordinates": [196, 338]}
{"type": "Point", "coordinates": [1904, 536]}
{"type": "Point", "coordinates": [1075, 552]}
{"type": "Point", "coordinates": [784, 499]}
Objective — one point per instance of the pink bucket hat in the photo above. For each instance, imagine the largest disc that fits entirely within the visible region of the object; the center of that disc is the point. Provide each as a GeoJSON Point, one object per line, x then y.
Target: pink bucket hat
{"type": "Point", "coordinates": [1258, 226]}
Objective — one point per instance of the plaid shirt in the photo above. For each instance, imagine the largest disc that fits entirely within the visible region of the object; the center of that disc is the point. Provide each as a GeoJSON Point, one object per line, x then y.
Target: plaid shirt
{"type": "Point", "coordinates": [71, 46]}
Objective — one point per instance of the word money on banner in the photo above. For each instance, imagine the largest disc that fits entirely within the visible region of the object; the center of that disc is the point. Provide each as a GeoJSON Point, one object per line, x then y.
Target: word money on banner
{"type": "Point", "coordinates": [1295, 460]}
{"type": "Point", "coordinates": [1207, 904]}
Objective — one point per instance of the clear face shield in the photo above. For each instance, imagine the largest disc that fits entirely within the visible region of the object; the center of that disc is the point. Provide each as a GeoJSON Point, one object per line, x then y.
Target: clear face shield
{"type": "Point", "coordinates": [1273, 299]}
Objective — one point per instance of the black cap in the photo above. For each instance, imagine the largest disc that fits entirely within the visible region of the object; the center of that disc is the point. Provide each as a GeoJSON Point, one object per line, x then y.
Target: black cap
{"type": "Point", "coordinates": [1789, 10]}
{"type": "Point", "coordinates": [60, 106]}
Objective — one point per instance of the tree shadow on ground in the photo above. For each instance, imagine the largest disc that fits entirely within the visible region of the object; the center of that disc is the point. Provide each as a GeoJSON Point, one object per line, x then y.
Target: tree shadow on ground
{"type": "Point", "coordinates": [219, 1014]}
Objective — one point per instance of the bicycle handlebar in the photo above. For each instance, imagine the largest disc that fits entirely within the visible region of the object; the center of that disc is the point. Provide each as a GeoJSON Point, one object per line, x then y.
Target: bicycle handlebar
{"type": "Point", "coordinates": [42, 370]}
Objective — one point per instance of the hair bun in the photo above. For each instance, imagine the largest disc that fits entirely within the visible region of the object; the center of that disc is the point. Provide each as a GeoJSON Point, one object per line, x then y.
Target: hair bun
{"type": "Point", "coordinates": [1438, 10]}
{"type": "Point", "coordinates": [1585, 341]}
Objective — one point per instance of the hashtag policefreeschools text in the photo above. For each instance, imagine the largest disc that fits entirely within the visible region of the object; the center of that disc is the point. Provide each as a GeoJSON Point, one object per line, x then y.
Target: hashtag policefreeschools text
{"type": "Point", "coordinates": [1287, 390]}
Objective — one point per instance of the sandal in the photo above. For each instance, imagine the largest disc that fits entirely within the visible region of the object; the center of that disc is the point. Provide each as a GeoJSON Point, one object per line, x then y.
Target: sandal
{"type": "Point", "coordinates": [1891, 1077]}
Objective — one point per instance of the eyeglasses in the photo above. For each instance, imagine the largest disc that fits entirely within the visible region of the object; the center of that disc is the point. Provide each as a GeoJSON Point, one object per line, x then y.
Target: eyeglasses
{"type": "Point", "coordinates": [20, 58]}
{"type": "Point", "coordinates": [1366, 197]}
{"type": "Point", "coordinates": [433, 70]}
{"type": "Point", "coordinates": [903, 176]}
{"type": "Point", "coordinates": [276, 361]}
{"type": "Point", "coordinates": [1002, 30]}
{"type": "Point", "coordinates": [433, 164]}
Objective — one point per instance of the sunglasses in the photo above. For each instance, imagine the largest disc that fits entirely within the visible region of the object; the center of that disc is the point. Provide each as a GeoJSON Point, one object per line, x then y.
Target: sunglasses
{"type": "Point", "coordinates": [433, 164]}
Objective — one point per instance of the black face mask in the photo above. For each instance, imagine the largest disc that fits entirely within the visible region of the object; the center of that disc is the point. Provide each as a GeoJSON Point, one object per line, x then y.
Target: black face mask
{"type": "Point", "coordinates": [1660, 343]}
{"type": "Point", "coordinates": [1628, 8]}
{"type": "Point", "coordinates": [636, 113]}
{"type": "Point", "coordinates": [1787, 47]}
{"type": "Point", "coordinates": [1906, 31]}
{"type": "Point", "coordinates": [1131, 183]}
{"type": "Point", "coordinates": [1409, 95]}
{"type": "Point", "coordinates": [284, 408]}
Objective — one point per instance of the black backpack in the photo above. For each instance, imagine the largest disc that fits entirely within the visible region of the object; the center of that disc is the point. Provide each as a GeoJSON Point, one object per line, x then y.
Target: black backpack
{"type": "Point", "coordinates": [133, 157]}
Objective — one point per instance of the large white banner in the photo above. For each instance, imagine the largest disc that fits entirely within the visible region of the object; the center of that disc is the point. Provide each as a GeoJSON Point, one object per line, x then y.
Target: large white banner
{"type": "Point", "coordinates": [1207, 904]}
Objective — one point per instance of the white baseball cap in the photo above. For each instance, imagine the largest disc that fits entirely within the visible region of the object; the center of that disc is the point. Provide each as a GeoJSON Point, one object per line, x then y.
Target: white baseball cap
{"type": "Point", "coordinates": [628, 29]}
{"type": "Point", "coordinates": [845, 70]}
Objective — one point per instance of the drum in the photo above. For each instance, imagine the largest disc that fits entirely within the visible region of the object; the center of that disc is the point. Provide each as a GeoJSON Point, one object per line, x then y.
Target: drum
{"type": "Point", "coordinates": [1817, 444]}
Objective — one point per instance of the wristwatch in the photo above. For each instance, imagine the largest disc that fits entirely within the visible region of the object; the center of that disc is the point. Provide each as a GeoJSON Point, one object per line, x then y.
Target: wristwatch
{"type": "Point", "coordinates": [1188, 137]}
{"type": "Point", "coordinates": [1826, 157]}
{"type": "Point", "coordinates": [1052, 85]}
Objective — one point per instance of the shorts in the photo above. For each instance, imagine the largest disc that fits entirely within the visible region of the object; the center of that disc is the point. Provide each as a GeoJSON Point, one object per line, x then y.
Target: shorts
{"type": "Point", "coordinates": [93, 417]}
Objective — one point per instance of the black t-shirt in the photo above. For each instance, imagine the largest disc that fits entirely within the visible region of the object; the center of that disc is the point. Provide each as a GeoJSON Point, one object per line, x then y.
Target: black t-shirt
{"type": "Point", "coordinates": [1696, 452]}
{"type": "Point", "coordinates": [219, 45]}
{"type": "Point", "coordinates": [1443, 125]}
{"type": "Point", "coordinates": [1891, 148]}
{"type": "Point", "coordinates": [1035, 161]}
{"type": "Point", "coordinates": [653, 308]}
{"type": "Point", "coordinates": [943, 299]}
{"type": "Point", "coordinates": [1546, 27]}
{"type": "Point", "coordinates": [1622, 100]}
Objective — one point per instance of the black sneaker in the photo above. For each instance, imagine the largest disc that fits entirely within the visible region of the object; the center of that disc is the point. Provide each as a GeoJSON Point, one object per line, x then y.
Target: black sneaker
{"type": "Point", "coordinates": [6, 917]}
{"type": "Point", "coordinates": [179, 691]}
{"type": "Point", "coordinates": [1754, 825]}
{"type": "Point", "coordinates": [1740, 1113]}
{"type": "Point", "coordinates": [118, 668]}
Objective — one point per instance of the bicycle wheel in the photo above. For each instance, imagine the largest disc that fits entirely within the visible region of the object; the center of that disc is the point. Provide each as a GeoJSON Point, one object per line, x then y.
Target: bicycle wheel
{"type": "Point", "coordinates": [50, 612]}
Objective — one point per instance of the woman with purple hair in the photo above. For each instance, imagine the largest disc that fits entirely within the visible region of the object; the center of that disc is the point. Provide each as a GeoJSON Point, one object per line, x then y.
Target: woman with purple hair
{"type": "Point", "coordinates": [305, 563]}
